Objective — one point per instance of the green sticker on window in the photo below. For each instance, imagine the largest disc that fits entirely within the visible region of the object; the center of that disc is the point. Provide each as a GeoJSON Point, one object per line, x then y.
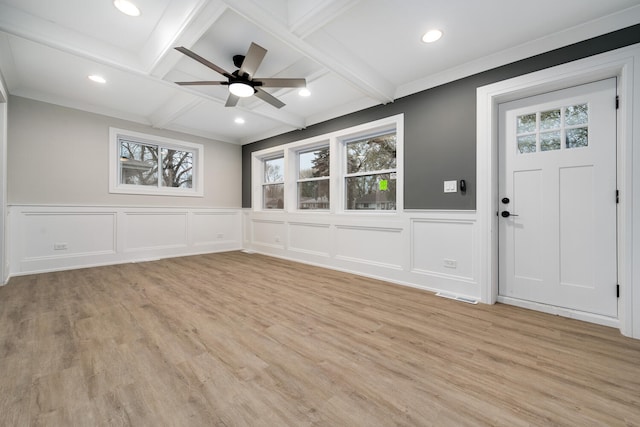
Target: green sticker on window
{"type": "Point", "coordinates": [383, 185]}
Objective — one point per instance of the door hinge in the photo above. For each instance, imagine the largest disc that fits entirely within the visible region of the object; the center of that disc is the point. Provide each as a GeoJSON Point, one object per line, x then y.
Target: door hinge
{"type": "Point", "coordinates": [617, 291]}
{"type": "Point", "coordinates": [617, 196]}
{"type": "Point", "coordinates": [617, 102]}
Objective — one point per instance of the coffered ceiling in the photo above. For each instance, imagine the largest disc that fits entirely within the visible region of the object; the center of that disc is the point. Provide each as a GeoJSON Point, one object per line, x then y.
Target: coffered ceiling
{"type": "Point", "coordinates": [353, 53]}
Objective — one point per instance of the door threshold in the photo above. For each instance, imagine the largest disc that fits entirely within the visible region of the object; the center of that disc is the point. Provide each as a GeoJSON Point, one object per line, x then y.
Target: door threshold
{"type": "Point", "coordinates": [561, 311]}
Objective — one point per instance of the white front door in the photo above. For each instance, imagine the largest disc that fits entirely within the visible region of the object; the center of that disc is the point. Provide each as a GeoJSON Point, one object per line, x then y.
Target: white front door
{"type": "Point", "coordinates": [557, 207]}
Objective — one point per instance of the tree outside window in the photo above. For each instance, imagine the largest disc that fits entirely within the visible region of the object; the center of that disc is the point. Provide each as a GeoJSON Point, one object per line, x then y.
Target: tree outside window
{"type": "Point", "coordinates": [273, 184]}
{"type": "Point", "coordinates": [313, 179]}
{"type": "Point", "coordinates": [154, 165]}
{"type": "Point", "coordinates": [139, 164]}
{"type": "Point", "coordinates": [370, 181]}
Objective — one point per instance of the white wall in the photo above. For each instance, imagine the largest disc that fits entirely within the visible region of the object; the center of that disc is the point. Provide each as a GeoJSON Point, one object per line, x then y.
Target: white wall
{"type": "Point", "coordinates": [62, 216]}
{"type": "Point", "coordinates": [4, 270]}
{"type": "Point", "coordinates": [59, 156]}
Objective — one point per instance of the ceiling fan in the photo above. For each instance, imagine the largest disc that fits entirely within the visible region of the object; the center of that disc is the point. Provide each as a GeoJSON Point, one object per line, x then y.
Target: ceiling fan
{"type": "Point", "coordinates": [241, 82]}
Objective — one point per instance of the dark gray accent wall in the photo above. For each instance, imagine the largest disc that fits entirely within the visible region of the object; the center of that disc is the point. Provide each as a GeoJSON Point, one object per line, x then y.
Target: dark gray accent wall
{"type": "Point", "coordinates": [440, 126]}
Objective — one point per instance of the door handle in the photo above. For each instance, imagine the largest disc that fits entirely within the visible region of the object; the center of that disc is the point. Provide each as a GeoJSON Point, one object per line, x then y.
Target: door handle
{"type": "Point", "coordinates": [507, 214]}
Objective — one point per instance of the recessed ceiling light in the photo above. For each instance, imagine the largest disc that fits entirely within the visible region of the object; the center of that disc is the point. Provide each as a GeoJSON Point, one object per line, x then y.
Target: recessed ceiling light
{"type": "Point", "coordinates": [239, 120]}
{"type": "Point", "coordinates": [432, 36]}
{"type": "Point", "coordinates": [96, 78]}
{"type": "Point", "coordinates": [126, 7]}
{"type": "Point", "coordinates": [304, 92]}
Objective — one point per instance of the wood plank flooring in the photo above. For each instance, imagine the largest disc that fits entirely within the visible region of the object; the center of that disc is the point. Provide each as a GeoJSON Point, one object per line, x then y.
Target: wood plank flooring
{"type": "Point", "coordinates": [235, 339]}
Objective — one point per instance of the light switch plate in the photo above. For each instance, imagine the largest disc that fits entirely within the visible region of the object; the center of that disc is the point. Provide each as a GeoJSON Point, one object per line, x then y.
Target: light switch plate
{"type": "Point", "coordinates": [451, 186]}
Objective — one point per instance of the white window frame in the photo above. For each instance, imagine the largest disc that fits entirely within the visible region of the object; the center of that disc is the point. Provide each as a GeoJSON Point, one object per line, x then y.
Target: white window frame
{"type": "Point", "coordinates": [115, 185]}
{"type": "Point", "coordinates": [283, 182]}
{"type": "Point", "coordinates": [307, 149]}
{"type": "Point", "coordinates": [359, 136]}
{"type": "Point", "coordinates": [337, 154]}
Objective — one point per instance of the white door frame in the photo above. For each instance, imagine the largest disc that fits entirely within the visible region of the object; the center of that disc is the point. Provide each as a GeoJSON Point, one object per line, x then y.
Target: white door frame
{"type": "Point", "coordinates": [617, 63]}
{"type": "Point", "coordinates": [4, 259]}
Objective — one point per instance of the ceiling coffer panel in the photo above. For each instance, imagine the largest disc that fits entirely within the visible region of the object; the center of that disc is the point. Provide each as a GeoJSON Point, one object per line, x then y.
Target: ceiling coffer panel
{"type": "Point", "coordinates": [349, 54]}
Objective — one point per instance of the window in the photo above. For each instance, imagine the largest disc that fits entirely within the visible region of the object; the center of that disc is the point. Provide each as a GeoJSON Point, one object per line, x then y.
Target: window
{"type": "Point", "coordinates": [545, 130]}
{"type": "Point", "coordinates": [273, 184]}
{"type": "Point", "coordinates": [370, 179]}
{"type": "Point", "coordinates": [147, 164]}
{"type": "Point", "coordinates": [313, 179]}
{"type": "Point", "coordinates": [358, 169]}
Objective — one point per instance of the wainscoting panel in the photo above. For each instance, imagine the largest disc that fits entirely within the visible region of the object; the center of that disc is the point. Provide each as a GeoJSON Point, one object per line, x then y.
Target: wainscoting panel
{"type": "Point", "coordinates": [442, 247]}
{"type": "Point", "coordinates": [432, 250]}
{"type": "Point", "coordinates": [210, 228]}
{"type": "Point", "coordinates": [436, 251]}
{"type": "Point", "coordinates": [159, 230]}
{"type": "Point", "coordinates": [269, 233]}
{"type": "Point", "coordinates": [309, 238]}
{"type": "Point", "coordinates": [50, 238]}
{"type": "Point", "coordinates": [58, 234]}
{"type": "Point", "coordinates": [370, 245]}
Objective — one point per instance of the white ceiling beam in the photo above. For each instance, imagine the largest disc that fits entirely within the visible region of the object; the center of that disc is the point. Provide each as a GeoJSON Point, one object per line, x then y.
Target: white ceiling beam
{"type": "Point", "coordinates": [342, 63]}
{"type": "Point", "coordinates": [159, 53]}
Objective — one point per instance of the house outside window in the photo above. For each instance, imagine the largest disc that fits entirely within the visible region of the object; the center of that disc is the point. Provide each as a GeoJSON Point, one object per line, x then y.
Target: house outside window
{"type": "Point", "coordinates": [313, 179]}
{"type": "Point", "coordinates": [146, 164]}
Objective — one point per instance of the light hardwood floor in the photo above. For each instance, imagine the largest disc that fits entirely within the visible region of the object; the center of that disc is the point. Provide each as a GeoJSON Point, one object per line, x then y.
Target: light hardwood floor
{"type": "Point", "coordinates": [235, 339]}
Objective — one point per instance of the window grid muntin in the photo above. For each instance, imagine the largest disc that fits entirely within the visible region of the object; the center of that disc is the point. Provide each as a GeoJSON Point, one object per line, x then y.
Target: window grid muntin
{"type": "Point", "coordinates": [160, 157]}
{"type": "Point", "coordinates": [563, 129]}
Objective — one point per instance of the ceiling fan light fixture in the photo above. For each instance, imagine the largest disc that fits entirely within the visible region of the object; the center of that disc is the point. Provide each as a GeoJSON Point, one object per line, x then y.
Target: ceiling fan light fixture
{"type": "Point", "coordinates": [243, 90]}
{"type": "Point", "coordinates": [127, 7]}
{"type": "Point", "coordinates": [432, 36]}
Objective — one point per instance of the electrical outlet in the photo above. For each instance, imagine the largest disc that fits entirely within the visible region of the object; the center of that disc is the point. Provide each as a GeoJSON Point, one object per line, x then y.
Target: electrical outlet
{"type": "Point", "coordinates": [220, 236]}
{"type": "Point", "coordinates": [277, 239]}
{"type": "Point", "coordinates": [60, 246]}
{"type": "Point", "coordinates": [450, 263]}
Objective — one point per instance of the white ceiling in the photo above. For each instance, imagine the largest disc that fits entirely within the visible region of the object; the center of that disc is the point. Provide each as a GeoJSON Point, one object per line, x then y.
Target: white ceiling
{"type": "Point", "coordinates": [353, 53]}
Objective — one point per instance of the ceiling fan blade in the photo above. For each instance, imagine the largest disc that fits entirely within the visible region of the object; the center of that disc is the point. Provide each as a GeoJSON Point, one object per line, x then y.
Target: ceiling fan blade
{"type": "Point", "coordinates": [232, 100]}
{"type": "Point", "coordinates": [267, 97]}
{"type": "Point", "coordinates": [283, 82]}
{"type": "Point", "coordinates": [203, 61]}
{"type": "Point", "coordinates": [201, 83]}
{"type": "Point", "coordinates": [252, 60]}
